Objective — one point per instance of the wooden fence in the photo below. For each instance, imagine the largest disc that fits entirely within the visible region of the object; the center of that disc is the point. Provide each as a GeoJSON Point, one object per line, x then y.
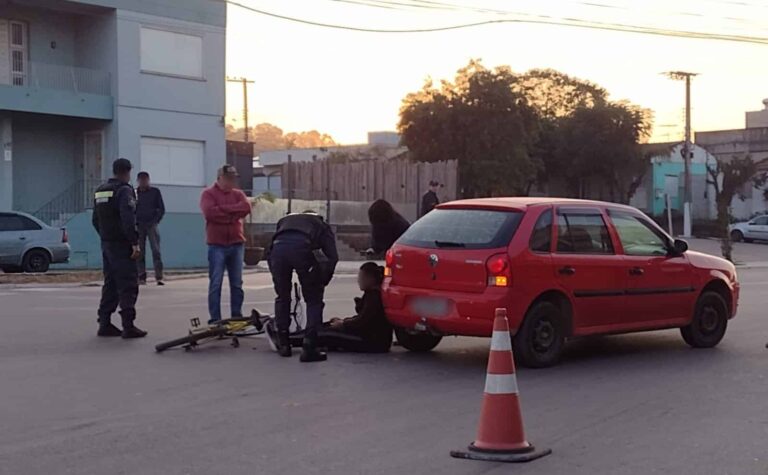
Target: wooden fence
{"type": "Point", "coordinates": [397, 181]}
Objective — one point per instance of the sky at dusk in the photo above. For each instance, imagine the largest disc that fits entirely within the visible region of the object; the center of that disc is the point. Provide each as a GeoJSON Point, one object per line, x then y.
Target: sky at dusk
{"type": "Point", "coordinates": [347, 83]}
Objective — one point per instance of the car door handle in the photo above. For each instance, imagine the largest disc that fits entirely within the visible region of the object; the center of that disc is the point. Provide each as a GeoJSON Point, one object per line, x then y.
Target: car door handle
{"type": "Point", "coordinates": [22, 238]}
{"type": "Point", "coordinates": [636, 271]}
{"type": "Point", "coordinates": [567, 270]}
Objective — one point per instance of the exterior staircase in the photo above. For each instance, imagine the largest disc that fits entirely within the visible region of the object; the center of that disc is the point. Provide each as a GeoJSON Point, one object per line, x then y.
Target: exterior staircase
{"type": "Point", "coordinates": [64, 206]}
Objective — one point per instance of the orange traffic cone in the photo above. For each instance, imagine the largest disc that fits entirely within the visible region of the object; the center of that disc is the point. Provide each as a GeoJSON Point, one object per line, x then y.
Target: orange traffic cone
{"type": "Point", "coordinates": [500, 435]}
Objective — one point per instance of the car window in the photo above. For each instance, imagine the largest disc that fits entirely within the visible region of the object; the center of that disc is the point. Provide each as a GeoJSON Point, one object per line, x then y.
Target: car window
{"type": "Point", "coordinates": [582, 233]}
{"type": "Point", "coordinates": [637, 236]}
{"type": "Point", "coordinates": [541, 238]}
{"type": "Point", "coordinates": [12, 222]}
{"type": "Point", "coordinates": [463, 229]}
{"type": "Point", "coordinates": [761, 221]}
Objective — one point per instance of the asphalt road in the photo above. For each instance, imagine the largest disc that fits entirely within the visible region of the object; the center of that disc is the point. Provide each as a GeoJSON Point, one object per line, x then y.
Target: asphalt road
{"type": "Point", "coordinates": [638, 404]}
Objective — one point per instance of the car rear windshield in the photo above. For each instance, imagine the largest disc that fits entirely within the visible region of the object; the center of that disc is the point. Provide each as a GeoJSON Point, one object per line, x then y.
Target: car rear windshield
{"type": "Point", "coordinates": [463, 229]}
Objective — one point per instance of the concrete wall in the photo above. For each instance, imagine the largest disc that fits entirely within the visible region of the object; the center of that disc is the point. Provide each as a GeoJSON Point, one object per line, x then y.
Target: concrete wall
{"type": "Point", "coordinates": [198, 11]}
{"type": "Point", "coordinates": [182, 238]}
{"type": "Point", "coordinates": [167, 107]}
{"type": "Point", "coordinates": [46, 26]}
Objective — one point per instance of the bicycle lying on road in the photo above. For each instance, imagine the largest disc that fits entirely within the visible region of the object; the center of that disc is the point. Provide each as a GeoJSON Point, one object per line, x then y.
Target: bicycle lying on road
{"type": "Point", "coordinates": [235, 328]}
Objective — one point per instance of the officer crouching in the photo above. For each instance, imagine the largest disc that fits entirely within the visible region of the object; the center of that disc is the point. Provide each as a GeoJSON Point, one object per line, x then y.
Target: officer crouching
{"type": "Point", "coordinates": [114, 217]}
{"type": "Point", "coordinates": [303, 243]}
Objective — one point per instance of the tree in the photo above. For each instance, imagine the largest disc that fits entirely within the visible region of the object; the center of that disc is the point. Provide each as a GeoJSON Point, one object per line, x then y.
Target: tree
{"type": "Point", "coordinates": [728, 178]}
{"type": "Point", "coordinates": [556, 95]}
{"type": "Point", "coordinates": [481, 120]}
{"type": "Point", "coordinates": [266, 136]}
{"type": "Point", "coordinates": [596, 151]}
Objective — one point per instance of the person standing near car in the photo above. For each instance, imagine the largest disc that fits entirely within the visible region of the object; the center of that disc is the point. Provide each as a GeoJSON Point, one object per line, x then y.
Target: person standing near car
{"type": "Point", "coordinates": [114, 218]}
{"type": "Point", "coordinates": [303, 243]}
{"type": "Point", "coordinates": [149, 212]}
{"type": "Point", "coordinates": [430, 199]}
{"type": "Point", "coordinates": [224, 207]}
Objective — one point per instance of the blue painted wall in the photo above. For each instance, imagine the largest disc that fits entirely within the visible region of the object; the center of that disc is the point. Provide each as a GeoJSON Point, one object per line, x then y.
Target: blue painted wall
{"type": "Point", "coordinates": [660, 171]}
{"type": "Point", "coordinates": [182, 240]}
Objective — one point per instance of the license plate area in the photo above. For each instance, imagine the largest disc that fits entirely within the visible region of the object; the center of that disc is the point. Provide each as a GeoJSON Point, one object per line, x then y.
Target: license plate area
{"type": "Point", "coordinates": [429, 306]}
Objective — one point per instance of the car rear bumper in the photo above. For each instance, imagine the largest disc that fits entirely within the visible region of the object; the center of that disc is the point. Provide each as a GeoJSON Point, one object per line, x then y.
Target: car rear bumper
{"type": "Point", "coordinates": [60, 254]}
{"type": "Point", "coordinates": [468, 313]}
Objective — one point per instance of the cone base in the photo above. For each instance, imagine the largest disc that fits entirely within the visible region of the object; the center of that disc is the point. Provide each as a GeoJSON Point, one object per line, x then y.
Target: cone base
{"type": "Point", "coordinates": [527, 454]}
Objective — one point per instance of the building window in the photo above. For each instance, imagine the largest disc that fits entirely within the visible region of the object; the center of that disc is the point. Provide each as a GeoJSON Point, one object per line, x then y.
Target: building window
{"type": "Point", "coordinates": [173, 162]}
{"type": "Point", "coordinates": [14, 62]}
{"type": "Point", "coordinates": [171, 53]}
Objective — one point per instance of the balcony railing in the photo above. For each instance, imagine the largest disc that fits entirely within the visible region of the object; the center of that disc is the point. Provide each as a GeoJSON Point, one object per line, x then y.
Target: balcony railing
{"type": "Point", "coordinates": [64, 78]}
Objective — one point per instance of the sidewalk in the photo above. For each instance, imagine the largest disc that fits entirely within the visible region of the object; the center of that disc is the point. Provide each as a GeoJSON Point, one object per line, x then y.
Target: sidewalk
{"type": "Point", "coordinates": [90, 277]}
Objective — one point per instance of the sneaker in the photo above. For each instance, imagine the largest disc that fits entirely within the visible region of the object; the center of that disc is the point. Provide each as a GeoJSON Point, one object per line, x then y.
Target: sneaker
{"type": "Point", "coordinates": [272, 335]}
{"type": "Point", "coordinates": [109, 331]}
{"type": "Point", "coordinates": [160, 283]}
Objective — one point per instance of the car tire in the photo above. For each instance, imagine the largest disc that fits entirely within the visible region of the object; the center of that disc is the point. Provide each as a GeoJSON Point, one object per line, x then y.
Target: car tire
{"type": "Point", "coordinates": [737, 236]}
{"type": "Point", "coordinates": [540, 340]}
{"type": "Point", "coordinates": [36, 261]}
{"type": "Point", "coordinates": [710, 320]}
{"type": "Point", "coordinates": [417, 342]}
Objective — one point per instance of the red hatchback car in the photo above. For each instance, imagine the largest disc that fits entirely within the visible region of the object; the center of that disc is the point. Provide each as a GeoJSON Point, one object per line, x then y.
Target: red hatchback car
{"type": "Point", "coordinates": [562, 268]}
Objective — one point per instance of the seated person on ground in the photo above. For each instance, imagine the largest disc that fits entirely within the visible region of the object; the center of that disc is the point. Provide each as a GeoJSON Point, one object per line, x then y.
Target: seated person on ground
{"type": "Point", "coordinates": [369, 330]}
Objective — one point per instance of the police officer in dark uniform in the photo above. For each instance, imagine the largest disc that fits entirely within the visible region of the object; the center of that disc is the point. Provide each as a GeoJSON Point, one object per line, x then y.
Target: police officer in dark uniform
{"type": "Point", "coordinates": [303, 243]}
{"type": "Point", "coordinates": [114, 217]}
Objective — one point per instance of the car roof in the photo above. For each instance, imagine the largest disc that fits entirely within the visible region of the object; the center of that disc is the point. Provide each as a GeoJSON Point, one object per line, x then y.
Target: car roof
{"type": "Point", "coordinates": [522, 203]}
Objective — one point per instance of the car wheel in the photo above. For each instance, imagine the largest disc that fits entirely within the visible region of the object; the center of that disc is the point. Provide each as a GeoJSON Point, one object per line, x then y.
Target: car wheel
{"type": "Point", "coordinates": [737, 236]}
{"type": "Point", "coordinates": [540, 339]}
{"type": "Point", "coordinates": [36, 261]}
{"type": "Point", "coordinates": [418, 342]}
{"type": "Point", "coordinates": [709, 323]}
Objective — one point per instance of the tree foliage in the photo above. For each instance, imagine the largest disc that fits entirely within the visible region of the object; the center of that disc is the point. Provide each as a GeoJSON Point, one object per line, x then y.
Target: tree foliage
{"type": "Point", "coordinates": [267, 136]}
{"type": "Point", "coordinates": [481, 120]}
{"type": "Point", "coordinates": [729, 177]}
{"type": "Point", "coordinates": [510, 130]}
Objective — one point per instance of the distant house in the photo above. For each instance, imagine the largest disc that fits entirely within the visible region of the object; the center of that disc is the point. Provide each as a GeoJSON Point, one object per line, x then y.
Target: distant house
{"type": "Point", "coordinates": [666, 178]}
{"type": "Point", "coordinates": [83, 82]}
{"type": "Point", "coordinates": [751, 141]}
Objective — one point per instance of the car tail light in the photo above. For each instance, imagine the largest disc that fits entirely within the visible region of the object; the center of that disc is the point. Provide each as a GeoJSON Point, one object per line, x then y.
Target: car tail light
{"type": "Point", "coordinates": [64, 236]}
{"type": "Point", "coordinates": [389, 260]}
{"type": "Point", "coordinates": [499, 274]}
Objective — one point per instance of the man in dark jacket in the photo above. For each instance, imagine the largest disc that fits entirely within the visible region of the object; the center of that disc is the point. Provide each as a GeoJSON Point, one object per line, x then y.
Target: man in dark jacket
{"type": "Point", "coordinates": [303, 243]}
{"type": "Point", "coordinates": [114, 218]}
{"type": "Point", "coordinates": [149, 211]}
{"type": "Point", "coordinates": [430, 199]}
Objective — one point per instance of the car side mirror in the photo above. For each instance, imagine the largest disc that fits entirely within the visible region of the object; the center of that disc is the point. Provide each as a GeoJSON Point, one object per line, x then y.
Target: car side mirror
{"type": "Point", "coordinates": [679, 247]}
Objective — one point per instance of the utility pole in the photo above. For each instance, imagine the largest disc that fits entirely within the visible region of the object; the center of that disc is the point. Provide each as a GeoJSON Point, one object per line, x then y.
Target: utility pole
{"type": "Point", "coordinates": [687, 149]}
{"type": "Point", "coordinates": [245, 83]}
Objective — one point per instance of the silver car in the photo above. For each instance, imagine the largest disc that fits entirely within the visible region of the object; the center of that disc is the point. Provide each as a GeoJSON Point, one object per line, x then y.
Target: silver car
{"type": "Point", "coordinates": [29, 245]}
{"type": "Point", "coordinates": [755, 229]}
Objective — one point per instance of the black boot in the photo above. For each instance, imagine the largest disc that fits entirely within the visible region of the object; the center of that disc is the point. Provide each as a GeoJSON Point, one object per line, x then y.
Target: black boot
{"type": "Point", "coordinates": [132, 331]}
{"type": "Point", "coordinates": [284, 344]}
{"type": "Point", "coordinates": [310, 353]}
{"type": "Point", "coordinates": [106, 329]}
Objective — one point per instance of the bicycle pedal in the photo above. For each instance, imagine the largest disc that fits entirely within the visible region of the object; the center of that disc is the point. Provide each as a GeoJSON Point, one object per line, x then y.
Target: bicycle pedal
{"type": "Point", "coordinates": [195, 322]}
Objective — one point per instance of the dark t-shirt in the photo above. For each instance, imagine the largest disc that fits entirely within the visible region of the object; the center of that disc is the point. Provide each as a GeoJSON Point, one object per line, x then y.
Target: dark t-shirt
{"type": "Point", "coordinates": [371, 322]}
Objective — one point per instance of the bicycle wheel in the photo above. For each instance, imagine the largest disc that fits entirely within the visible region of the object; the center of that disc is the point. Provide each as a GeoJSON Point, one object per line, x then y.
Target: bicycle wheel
{"type": "Point", "coordinates": [191, 338]}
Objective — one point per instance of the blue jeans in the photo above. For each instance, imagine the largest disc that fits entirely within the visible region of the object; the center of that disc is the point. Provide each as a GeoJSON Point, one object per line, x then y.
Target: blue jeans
{"type": "Point", "coordinates": [231, 259]}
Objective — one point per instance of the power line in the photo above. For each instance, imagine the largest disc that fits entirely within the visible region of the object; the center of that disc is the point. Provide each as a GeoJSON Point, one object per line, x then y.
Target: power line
{"type": "Point", "coordinates": [539, 20]}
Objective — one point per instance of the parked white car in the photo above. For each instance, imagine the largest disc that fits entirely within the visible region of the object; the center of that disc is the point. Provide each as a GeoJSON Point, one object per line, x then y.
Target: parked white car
{"type": "Point", "coordinates": [27, 244]}
{"type": "Point", "coordinates": [755, 229]}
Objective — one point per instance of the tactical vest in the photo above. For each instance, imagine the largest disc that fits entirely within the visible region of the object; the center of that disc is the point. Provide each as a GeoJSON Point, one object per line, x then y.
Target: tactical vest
{"type": "Point", "coordinates": [307, 224]}
{"type": "Point", "coordinates": [107, 209]}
